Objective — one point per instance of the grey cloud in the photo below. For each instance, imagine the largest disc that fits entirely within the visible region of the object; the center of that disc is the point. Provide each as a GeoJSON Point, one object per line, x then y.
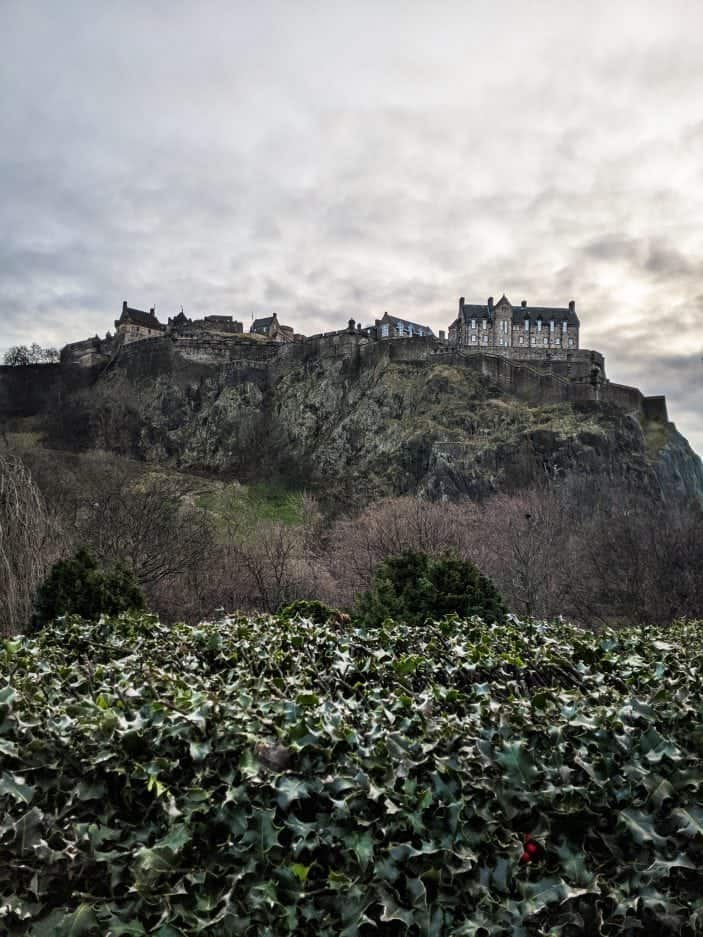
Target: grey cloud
{"type": "Point", "coordinates": [336, 163]}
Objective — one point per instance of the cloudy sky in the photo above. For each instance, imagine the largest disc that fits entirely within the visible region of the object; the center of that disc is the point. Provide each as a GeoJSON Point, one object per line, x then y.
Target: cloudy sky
{"type": "Point", "coordinates": [330, 160]}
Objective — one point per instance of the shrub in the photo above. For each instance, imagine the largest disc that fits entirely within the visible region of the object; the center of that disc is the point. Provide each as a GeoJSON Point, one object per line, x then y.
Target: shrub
{"type": "Point", "coordinates": [222, 779]}
{"type": "Point", "coordinates": [414, 588]}
{"type": "Point", "coordinates": [312, 609]}
{"type": "Point", "coordinates": [79, 586]}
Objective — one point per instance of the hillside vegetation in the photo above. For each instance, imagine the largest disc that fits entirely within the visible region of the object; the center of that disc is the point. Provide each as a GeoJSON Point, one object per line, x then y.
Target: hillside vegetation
{"type": "Point", "coordinates": [265, 777]}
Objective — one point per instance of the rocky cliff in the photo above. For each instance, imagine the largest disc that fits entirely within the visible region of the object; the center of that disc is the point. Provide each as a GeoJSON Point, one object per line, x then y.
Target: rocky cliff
{"type": "Point", "coordinates": [355, 427]}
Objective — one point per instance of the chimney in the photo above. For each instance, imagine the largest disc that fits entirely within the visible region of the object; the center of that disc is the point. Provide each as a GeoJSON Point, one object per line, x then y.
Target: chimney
{"type": "Point", "coordinates": [442, 336]}
{"type": "Point", "coordinates": [352, 324]}
{"type": "Point", "coordinates": [524, 303]}
{"type": "Point", "coordinates": [461, 305]}
{"type": "Point", "coordinates": [490, 302]}
{"type": "Point", "coordinates": [152, 311]}
{"type": "Point", "coordinates": [124, 307]}
{"type": "Point", "coordinates": [572, 306]}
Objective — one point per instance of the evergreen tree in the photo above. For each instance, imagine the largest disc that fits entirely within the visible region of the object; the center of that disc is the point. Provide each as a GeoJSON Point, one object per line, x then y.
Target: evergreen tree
{"type": "Point", "coordinates": [79, 586]}
{"type": "Point", "coordinates": [414, 588]}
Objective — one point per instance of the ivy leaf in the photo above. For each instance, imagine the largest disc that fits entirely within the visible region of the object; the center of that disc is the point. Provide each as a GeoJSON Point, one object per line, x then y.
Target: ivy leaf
{"type": "Point", "coordinates": [14, 786]}
{"type": "Point", "coordinates": [289, 790]}
{"type": "Point", "coordinates": [690, 820]}
{"type": "Point", "coordinates": [80, 923]}
{"type": "Point", "coordinates": [641, 827]}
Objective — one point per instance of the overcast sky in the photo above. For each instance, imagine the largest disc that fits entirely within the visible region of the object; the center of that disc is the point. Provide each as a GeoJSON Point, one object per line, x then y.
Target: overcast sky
{"type": "Point", "coordinates": [335, 160]}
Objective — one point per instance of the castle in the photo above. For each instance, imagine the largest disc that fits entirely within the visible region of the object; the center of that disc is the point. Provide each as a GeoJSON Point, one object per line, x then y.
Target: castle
{"type": "Point", "coordinates": [530, 351]}
{"type": "Point", "coordinates": [546, 336]}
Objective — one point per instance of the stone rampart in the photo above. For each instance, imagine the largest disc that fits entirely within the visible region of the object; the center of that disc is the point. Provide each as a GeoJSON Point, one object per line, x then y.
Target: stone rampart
{"type": "Point", "coordinates": [529, 374]}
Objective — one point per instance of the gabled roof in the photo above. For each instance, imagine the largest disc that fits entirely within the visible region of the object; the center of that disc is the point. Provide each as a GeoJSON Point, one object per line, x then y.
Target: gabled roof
{"type": "Point", "coordinates": [396, 320]}
{"type": "Point", "coordinates": [138, 317]}
{"type": "Point", "coordinates": [263, 323]}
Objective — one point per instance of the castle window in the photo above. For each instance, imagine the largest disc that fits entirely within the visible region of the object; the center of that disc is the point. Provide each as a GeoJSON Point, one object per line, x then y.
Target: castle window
{"type": "Point", "coordinates": [522, 340]}
{"type": "Point", "coordinates": [384, 331]}
{"type": "Point", "coordinates": [539, 325]}
{"type": "Point", "coordinates": [544, 341]}
{"type": "Point", "coordinates": [485, 324]}
{"type": "Point", "coordinates": [527, 325]}
{"type": "Point", "coordinates": [564, 326]}
{"type": "Point", "coordinates": [551, 326]}
{"type": "Point", "coordinates": [473, 338]}
{"type": "Point", "coordinates": [571, 342]}
{"type": "Point", "coordinates": [473, 323]}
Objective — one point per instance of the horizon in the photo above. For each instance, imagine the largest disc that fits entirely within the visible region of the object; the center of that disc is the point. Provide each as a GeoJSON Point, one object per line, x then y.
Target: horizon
{"type": "Point", "coordinates": [334, 162]}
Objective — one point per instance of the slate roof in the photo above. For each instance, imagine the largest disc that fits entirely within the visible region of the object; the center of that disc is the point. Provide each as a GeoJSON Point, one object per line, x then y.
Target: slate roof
{"type": "Point", "coordinates": [262, 323]}
{"type": "Point", "coordinates": [520, 313]}
{"type": "Point", "coordinates": [138, 317]}
{"type": "Point", "coordinates": [415, 325]}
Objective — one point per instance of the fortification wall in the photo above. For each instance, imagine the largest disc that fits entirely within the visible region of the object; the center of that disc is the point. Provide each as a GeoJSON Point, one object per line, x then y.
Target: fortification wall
{"type": "Point", "coordinates": [31, 390]}
{"type": "Point", "coordinates": [655, 409]}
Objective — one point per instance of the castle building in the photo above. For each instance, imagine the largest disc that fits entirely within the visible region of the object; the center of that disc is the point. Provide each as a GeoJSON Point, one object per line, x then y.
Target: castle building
{"type": "Point", "coordinates": [393, 327]}
{"type": "Point", "coordinates": [523, 329]}
{"type": "Point", "coordinates": [272, 329]}
{"type": "Point", "coordinates": [181, 324]}
{"type": "Point", "coordinates": [135, 324]}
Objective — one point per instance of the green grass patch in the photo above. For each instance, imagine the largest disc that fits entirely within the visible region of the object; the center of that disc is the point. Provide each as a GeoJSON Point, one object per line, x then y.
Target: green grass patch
{"type": "Point", "coordinates": [262, 501]}
{"type": "Point", "coordinates": [656, 436]}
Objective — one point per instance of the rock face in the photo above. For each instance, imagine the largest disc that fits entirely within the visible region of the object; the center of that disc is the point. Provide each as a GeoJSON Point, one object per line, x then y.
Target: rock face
{"type": "Point", "coordinates": [356, 427]}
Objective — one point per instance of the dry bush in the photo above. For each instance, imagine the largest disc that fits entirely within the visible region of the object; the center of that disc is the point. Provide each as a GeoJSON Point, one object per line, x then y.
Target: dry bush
{"type": "Point", "coordinates": [526, 541]}
{"type": "Point", "coordinates": [28, 543]}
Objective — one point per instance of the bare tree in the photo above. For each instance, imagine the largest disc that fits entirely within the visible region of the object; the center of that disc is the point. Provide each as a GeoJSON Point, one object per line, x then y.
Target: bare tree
{"type": "Point", "coordinates": [28, 543]}
{"type": "Point", "coordinates": [526, 540]}
{"type": "Point", "coordinates": [147, 525]}
{"type": "Point", "coordinates": [20, 355]}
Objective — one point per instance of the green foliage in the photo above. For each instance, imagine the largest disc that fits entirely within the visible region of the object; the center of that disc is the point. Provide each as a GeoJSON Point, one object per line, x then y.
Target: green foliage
{"type": "Point", "coordinates": [312, 609]}
{"type": "Point", "coordinates": [79, 586]}
{"type": "Point", "coordinates": [415, 588]}
{"type": "Point", "coordinates": [262, 501]}
{"type": "Point", "coordinates": [265, 777]}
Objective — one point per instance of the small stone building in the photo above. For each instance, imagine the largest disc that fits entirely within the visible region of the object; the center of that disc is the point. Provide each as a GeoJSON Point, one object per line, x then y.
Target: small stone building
{"type": "Point", "coordinates": [393, 327]}
{"type": "Point", "coordinates": [272, 329]}
{"type": "Point", "coordinates": [181, 325]}
{"type": "Point", "coordinates": [135, 324]}
{"type": "Point", "coordinates": [502, 326]}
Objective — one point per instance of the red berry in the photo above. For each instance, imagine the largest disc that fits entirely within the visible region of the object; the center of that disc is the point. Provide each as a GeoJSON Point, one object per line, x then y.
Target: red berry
{"type": "Point", "coordinates": [531, 848]}
{"type": "Point", "coordinates": [525, 857]}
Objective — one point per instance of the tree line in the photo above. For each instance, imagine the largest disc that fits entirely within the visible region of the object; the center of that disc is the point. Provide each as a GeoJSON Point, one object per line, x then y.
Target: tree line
{"type": "Point", "coordinates": [586, 549]}
{"type": "Point", "coordinates": [21, 355]}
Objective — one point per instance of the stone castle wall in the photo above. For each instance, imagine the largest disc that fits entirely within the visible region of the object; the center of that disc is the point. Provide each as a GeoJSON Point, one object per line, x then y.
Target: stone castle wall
{"type": "Point", "coordinates": [527, 373]}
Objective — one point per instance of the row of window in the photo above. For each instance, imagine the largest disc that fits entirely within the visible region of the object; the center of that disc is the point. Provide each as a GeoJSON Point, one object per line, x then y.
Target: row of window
{"type": "Point", "coordinates": [504, 325]}
{"type": "Point", "coordinates": [404, 330]}
{"type": "Point", "coordinates": [503, 341]}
